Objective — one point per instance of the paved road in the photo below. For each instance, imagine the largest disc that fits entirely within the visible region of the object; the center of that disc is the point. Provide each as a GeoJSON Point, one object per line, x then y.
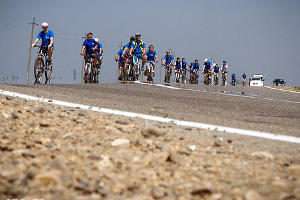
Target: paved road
{"type": "Point", "coordinates": [241, 107]}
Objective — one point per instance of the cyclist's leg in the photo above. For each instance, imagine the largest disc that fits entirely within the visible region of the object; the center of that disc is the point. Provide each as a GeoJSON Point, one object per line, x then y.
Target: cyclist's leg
{"type": "Point", "coordinates": [144, 60]}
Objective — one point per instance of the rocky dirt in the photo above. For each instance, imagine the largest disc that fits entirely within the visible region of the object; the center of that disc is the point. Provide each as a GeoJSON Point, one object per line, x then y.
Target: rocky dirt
{"type": "Point", "coordinates": [53, 152]}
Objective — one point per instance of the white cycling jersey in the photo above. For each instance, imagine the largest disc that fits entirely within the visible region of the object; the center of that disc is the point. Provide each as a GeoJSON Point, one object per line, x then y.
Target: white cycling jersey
{"type": "Point", "coordinates": [224, 68]}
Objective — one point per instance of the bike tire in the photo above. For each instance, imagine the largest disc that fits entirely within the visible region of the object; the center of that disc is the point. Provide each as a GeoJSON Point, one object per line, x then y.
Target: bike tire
{"type": "Point", "coordinates": [39, 67]}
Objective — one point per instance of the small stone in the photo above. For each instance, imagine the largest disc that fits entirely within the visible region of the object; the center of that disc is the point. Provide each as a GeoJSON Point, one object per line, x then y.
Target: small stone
{"type": "Point", "coordinates": [14, 115]}
{"type": "Point", "coordinates": [121, 142]}
{"type": "Point", "coordinates": [5, 115]}
{"type": "Point", "coordinates": [151, 132]}
{"type": "Point", "coordinates": [47, 179]}
{"type": "Point", "coordinates": [44, 123]}
{"type": "Point", "coordinates": [217, 144]}
{"type": "Point", "coordinates": [39, 110]}
{"type": "Point", "coordinates": [158, 193]}
{"type": "Point", "coordinates": [263, 155]}
{"type": "Point", "coordinates": [252, 195]}
{"type": "Point", "coordinates": [9, 98]}
{"type": "Point", "coordinates": [173, 157]}
{"type": "Point", "coordinates": [294, 169]}
{"type": "Point", "coordinates": [202, 192]}
{"type": "Point", "coordinates": [192, 147]}
{"type": "Point", "coordinates": [81, 114]}
{"type": "Point", "coordinates": [122, 122]}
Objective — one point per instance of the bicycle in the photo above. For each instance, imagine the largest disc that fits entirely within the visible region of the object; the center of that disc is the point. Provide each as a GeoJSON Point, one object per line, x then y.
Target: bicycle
{"type": "Point", "coordinates": [194, 77]}
{"type": "Point", "coordinates": [168, 72]}
{"type": "Point", "coordinates": [207, 78]}
{"type": "Point", "coordinates": [136, 68]}
{"type": "Point", "coordinates": [41, 65]}
{"type": "Point", "coordinates": [224, 78]}
{"type": "Point", "coordinates": [244, 82]}
{"type": "Point", "coordinates": [216, 78]}
{"type": "Point", "coordinates": [150, 71]}
{"type": "Point", "coordinates": [90, 74]}
{"type": "Point", "coordinates": [177, 75]}
{"type": "Point", "coordinates": [183, 76]}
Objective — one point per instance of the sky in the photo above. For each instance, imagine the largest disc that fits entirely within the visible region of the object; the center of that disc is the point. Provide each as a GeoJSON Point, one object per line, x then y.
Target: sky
{"type": "Point", "coordinates": [257, 36]}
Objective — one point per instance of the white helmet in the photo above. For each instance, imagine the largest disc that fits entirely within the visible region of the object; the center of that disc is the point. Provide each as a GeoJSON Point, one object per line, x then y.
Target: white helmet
{"type": "Point", "coordinates": [206, 60]}
{"type": "Point", "coordinates": [97, 40]}
{"type": "Point", "coordinates": [44, 24]}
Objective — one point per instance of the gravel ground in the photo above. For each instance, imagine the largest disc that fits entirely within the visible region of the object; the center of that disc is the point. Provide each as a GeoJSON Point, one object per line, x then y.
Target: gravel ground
{"type": "Point", "coordinates": [54, 152]}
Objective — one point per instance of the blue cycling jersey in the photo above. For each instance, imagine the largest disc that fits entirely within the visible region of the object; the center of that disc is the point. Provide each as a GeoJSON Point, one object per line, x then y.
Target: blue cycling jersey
{"type": "Point", "coordinates": [184, 65]}
{"type": "Point", "coordinates": [244, 76]}
{"type": "Point", "coordinates": [99, 46]}
{"type": "Point", "coordinates": [120, 52]}
{"type": "Point", "coordinates": [139, 45]}
{"type": "Point", "coordinates": [196, 66]}
{"type": "Point", "coordinates": [45, 37]}
{"type": "Point", "coordinates": [233, 75]}
{"type": "Point", "coordinates": [89, 44]}
{"type": "Point", "coordinates": [177, 65]}
{"type": "Point", "coordinates": [207, 65]}
{"type": "Point", "coordinates": [151, 55]}
{"type": "Point", "coordinates": [168, 59]}
{"type": "Point", "coordinates": [216, 69]}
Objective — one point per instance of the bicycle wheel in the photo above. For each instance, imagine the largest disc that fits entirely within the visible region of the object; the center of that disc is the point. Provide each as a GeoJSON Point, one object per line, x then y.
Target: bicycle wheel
{"type": "Point", "coordinates": [47, 73]}
{"type": "Point", "coordinates": [38, 70]}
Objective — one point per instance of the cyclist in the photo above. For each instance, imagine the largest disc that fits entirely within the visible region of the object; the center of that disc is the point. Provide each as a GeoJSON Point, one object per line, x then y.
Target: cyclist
{"type": "Point", "coordinates": [125, 53]}
{"type": "Point", "coordinates": [195, 70]}
{"type": "Point", "coordinates": [224, 69]}
{"type": "Point", "coordinates": [191, 71]}
{"type": "Point", "coordinates": [183, 69]}
{"type": "Point", "coordinates": [177, 69]}
{"type": "Point", "coordinates": [206, 71]}
{"type": "Point", "coordinates": [244, 79]}
{"type": "Point", "coordinates": [138, 50]}
{"type": "Point", "coordinates": [168, 62]}
{"type": "Point", "coordinates": [47, 45]}
{"type": "Point", "coordinates": [98, 50]}
{"type": "Point", "coordinates": [121, 61]}
{"type": "Point", "coordinates": [151, 57]}
{"type": "Point", "coordinates": [233, 79]}
{"type": "Point", "coordinates": [87, 49]}
{"type": "Point", "coordinates": [216, 69]}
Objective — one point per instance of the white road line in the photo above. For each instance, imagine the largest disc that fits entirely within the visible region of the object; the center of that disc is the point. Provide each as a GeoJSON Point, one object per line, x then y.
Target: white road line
{"type": "Point", "coordinates": [259, 134]}
{"type": "Point", "coordinates": [281, 89]}
{"type": "Point", "coordinates": [221, 93]}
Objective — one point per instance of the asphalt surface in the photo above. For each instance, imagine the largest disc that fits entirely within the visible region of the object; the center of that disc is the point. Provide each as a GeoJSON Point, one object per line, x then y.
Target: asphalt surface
{"type": "Point", "coordinates": [252, 108]}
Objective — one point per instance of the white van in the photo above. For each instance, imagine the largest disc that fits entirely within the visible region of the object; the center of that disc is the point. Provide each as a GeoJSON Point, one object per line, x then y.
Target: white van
{"type": "Point", "coordinates": [257, 80]}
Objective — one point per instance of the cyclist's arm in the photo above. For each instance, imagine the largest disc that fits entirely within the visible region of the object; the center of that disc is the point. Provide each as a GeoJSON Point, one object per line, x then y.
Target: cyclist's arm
{"type": "Point", "coordinates": [124, 51]}
{"type": "Point", "coordinates": [51, 42]}
{"type": "Point", "coordinates": [35, 42]}
{"type": "Point", "coordinates": [82, 52]}
{"type": "Point", "coordinates": [117, 57]}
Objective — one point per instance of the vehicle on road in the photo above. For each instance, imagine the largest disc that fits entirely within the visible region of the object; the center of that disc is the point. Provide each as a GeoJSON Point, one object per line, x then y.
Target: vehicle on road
{"type": "Point", "coordinates": [279, 82]}
{"type": "Point", "coordinates": [257, 80]}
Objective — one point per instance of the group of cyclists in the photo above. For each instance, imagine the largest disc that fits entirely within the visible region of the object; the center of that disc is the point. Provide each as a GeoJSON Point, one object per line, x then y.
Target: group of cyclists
{"type": "Point", "coordinates": [134, 59]}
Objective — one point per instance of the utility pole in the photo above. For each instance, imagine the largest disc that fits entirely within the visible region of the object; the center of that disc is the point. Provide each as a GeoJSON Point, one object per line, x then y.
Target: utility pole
{"type": "Point", "coordinates": [29, 57]}
{"type": "Point", "coordinates": [82, 66]}
{"type": "Point", "coordinates": [74, 73]}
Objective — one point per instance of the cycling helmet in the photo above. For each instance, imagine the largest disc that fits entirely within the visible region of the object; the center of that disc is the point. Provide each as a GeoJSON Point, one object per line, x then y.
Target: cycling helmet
{"type": "Point", "coordinates": [206, 60]}
{"type": "Point", "coordinates": [44, 24]}
{"type": "Point", "coordinates": [224, 61]}
{"type": "Point", "coordinates": [97, 40]}
{"type": "Point", "coordinates": [168, 51]}
{"type": "Point", "coordinates": [132, 38]}
{"type": "Point", "coordinates": [138, 34]}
